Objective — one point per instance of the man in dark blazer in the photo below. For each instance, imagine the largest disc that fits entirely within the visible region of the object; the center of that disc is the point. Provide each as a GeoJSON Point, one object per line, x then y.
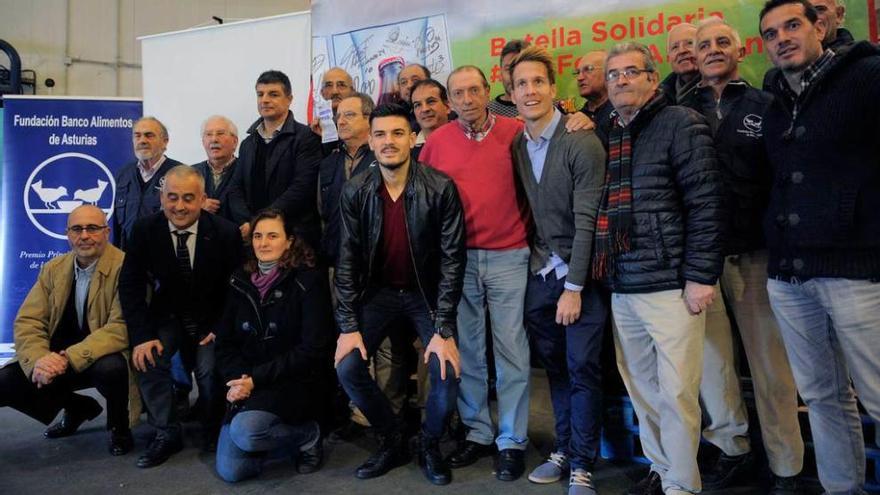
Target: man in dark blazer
{"type": "Point", "coordinates": [173, 281]}
{"type": "Point", "coordinates": [138, 183]}
{"type": "Point", "coordinates": [220, 139]}
{"type": "Point", "coordinates": [278, 163]}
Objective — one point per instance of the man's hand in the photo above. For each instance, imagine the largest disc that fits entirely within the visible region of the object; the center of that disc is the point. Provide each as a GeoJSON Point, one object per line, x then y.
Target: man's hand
{"type": "Point", "coordinates": [239, 389]}
{"type": "Point", "coordinates": [315, 126]}
{"type": "Point", "coordinates": [143, 353]}
{"type": "Point", "coordinates": [245, 229]}
{"type": "Point", "coordinates": [698, 297]}
{"type": "Point", "coordinates": [577, 121]}
{"type": "Point", "coordinates": [446, 352]}
{"type": "Point", "coordinates": [52, 364]}
{"type": "Point", "coordinates": [212, 205]}
{"type": "Point", "coordinates": [568, 308]}
{"type": "Point", "coordinates": [208, 339]}
{"type": "Point", "coordinates": [41, 378]}
{"type": "Point", "coordinates": [346, 343]}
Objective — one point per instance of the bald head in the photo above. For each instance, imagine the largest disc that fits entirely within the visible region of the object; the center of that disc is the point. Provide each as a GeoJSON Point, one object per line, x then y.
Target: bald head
{"type": "Point", "coordinates": [336, 85]}
{"type": "Point", "coordinates": [590, 75]}
{"type": "Point", "coordinates": [87, 233]}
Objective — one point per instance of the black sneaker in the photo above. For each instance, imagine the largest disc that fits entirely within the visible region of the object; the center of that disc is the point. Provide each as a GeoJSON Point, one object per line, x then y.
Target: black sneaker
{"type": "Point", "coordinates": [649, 485]}
{"type": "Point", "coordinates": [787, 485]}
{"type": "Point", "coordinates": [726, 470]}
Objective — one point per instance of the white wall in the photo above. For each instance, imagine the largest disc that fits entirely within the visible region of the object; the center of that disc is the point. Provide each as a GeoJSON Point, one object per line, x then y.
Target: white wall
{"type": "Point", "coordinates": [50, 35]}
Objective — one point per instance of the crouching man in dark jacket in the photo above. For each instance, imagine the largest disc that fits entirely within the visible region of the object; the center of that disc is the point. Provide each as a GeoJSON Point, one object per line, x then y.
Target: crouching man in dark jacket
{"type": "Point", "coordinates": [402, 253]}
{"type": "Point", "coordinates": [658, 231]}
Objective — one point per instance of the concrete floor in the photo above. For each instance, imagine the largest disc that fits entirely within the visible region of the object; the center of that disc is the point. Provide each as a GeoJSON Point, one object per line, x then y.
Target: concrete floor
{"type": "Point", "coordinates": [31, 464]}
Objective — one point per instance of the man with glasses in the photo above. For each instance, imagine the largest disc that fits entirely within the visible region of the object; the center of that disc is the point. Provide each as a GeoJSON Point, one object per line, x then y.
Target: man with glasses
{"type": "Point", "coordinates": [70, 335]}
{"type": "Point", "coordinates": [658, 248]}
{"type": "Point", "coordinates": [590, 75]}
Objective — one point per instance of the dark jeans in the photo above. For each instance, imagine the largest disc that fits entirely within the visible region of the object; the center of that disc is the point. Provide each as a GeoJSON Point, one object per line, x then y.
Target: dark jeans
{"type": "Point", "coordinates": [157, 384]}
{"type": "Point", "coordinates": [571, 356]}
{"type": "Point", "coordinates": [378, 311]}
{"type": "Point", "coordinates": [108, 374]}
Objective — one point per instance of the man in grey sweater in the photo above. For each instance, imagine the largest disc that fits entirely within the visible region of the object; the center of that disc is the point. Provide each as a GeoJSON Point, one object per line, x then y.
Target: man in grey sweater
{"type": "Point", "coordinates": [562, 175]}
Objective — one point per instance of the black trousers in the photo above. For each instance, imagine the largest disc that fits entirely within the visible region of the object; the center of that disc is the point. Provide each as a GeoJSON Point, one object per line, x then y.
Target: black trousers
{"type": "Point", "coordinates": [157, 384]}
{"type": "Point", "coordinates": [108, 374]}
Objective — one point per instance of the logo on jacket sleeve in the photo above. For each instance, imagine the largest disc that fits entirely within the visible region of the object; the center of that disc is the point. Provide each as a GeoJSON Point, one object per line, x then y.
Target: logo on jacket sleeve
{"type": "Point", "coordinates": [752, 125]}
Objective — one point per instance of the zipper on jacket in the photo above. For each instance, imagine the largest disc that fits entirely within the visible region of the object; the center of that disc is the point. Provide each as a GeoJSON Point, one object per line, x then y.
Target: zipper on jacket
{"type": "Point", "coordinates": [253, 304]}
{"type": "Point", "coordinates": [431, 312]}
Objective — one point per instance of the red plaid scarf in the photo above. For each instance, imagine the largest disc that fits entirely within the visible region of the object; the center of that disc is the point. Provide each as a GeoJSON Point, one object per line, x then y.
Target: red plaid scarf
{"type": "Point", "coordinates": [614, 220]}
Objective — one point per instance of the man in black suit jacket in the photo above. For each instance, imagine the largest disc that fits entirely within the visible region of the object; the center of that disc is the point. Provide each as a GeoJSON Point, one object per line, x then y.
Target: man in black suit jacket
{"type": "Point", "coordinates": [278, 163]}
{"type": "Point", "coordinates": [172, 285]}
{"type": "Point", "coordinates": [220, 139]}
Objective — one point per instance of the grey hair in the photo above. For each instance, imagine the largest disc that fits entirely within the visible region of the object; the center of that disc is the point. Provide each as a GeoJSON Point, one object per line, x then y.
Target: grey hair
{"type": "Point", "coordinates": [367, 104]}
{"type": "Point", "coordinates": [230, 125]}
{"type": "Point", "coordinates": [717, 21]}
{"type": "Point", "coordinates": [154, 119]}
{"type": "Point", "coordinates": [182, 172]}
{"type": "Point", "coordinates": [628, 47]}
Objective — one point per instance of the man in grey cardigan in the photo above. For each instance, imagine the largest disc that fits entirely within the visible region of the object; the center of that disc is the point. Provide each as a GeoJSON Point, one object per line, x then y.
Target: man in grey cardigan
{"type": "Point", "coordinates": [562, 175]}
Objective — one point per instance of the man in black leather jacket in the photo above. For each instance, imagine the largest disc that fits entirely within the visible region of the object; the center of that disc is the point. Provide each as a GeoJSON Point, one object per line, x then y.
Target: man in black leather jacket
{"type": "Point", "coordinates": [401, 254]}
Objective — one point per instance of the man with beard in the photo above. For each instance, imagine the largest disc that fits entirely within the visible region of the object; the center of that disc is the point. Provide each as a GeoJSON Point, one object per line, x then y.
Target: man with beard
{"type": "Point", "coordinates": [138, 183]}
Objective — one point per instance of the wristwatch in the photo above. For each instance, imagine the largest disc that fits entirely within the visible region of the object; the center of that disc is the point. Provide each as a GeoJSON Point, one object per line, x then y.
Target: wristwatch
{"type": "Point", "coordinates": [444, 331]}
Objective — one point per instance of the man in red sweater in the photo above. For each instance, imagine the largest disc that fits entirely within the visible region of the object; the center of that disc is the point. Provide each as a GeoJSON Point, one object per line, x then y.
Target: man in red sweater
{"type": "Point", "coordinates": [475, 152]}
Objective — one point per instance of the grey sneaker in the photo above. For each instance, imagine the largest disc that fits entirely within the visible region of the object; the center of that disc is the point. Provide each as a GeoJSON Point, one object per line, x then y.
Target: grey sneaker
{"type": "Point", "coordinates": [552, 470]}
{"type": "Point", "coordinates": [581, 483]}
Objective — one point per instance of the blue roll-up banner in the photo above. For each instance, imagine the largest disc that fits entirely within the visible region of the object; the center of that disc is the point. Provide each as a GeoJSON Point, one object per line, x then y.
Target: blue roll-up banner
{"type": "Point", "coordinates": [58, 153]}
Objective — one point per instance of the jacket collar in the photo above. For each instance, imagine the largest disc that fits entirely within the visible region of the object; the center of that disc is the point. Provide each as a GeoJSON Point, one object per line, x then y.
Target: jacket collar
{"type": "Point", "coordinates": [289, 125]}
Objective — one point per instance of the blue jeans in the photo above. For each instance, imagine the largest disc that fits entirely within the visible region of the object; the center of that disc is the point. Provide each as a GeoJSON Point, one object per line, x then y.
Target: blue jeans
{"type": "Point", "coordinates": [570, 355]}
{"type": "Point", "coordinates": [253, 436]}
{"type": "Point", "coordinates": [831, 330]}
{"type": "Point", "coordinates": [497, 280]}
{"type": "Point", "coordinates": [377, 312]}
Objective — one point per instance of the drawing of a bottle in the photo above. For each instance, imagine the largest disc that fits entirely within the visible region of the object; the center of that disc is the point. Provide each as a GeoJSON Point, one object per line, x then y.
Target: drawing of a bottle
{"type": "Point", "coordinates": [389, 69]}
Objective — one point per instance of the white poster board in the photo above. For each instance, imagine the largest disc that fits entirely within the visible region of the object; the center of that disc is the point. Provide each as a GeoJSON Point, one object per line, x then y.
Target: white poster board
{"type": "Point", "coordinates": [190, 75]}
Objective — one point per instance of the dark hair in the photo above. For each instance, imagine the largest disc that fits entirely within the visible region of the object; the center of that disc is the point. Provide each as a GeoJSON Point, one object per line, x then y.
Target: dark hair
{"type": "Point", "coordinates": [424, 69]}
{"type": "Point", "coordinates": [513, 46]}
{"type": "Point", "coordinates": [535, 54]}
{"type": "Point", "coordinates": [390, 110]}
{"type": "Point", "coordinates": [809, 11]}
{"type": "Point", "coordinates": [299, 254]}
{"type": "Point", "coordinates": [275, 76]}
{"type": "Point", "coordinates": [430, 82]}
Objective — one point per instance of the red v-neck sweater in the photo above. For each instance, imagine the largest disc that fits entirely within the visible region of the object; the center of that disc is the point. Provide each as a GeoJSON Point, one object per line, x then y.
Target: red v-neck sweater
{"type": "Point", "coordinates": [483, 172]}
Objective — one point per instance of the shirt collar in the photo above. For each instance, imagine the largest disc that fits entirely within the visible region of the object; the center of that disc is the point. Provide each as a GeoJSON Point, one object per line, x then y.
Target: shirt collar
{"type": "Point", "coordinates": [83, 272]}
{"type": "Point", "coordinates": [261, 129]}
{"type": "Point", "coordinates": [192, 229]}
{"type": "Point", "coordinates": [482, 132]}
{"type": "Point", "coordinates": [811, 74]}
{"type": "Point", "coordinates": [548, 131]}
{"type": "Point", "coordinates": [153, 169]}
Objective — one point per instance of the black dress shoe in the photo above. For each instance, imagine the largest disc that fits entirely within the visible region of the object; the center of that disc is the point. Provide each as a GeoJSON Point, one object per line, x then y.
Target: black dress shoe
{"type": "Point", "coordinates": [121, 441]}
{"type": "Point", "coordinates": [727, 470]}
{"type": "Point", "coordinates": [787, 485]}
{"type": "Point", "coordinates": [511, 464]}
{"type": "Point", "coordinates": [209, 439]}
{"type": "Point", "coordinates": [649, 485]}
{"type": "Point", "coordinates": [468, 453]}
{"type": "Point", "coordinates": [390, 455]}
{"type": "Point", "coordinates": [431, 461]}
{"type": "Point", "coordinates": [73, 417]}
{"type": "Point", "coordinates": [159, 451]}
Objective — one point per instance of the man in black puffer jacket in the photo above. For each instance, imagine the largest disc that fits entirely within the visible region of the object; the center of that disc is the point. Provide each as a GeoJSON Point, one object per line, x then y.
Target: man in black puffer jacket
{"type": "Point", "coordinates": [659, 230]}
{"type": "Point", "coordinates": [823, 229]}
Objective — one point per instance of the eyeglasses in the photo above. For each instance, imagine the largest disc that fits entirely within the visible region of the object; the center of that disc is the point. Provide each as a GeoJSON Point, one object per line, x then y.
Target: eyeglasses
{"type": "Point", "coordinates": [90, 228]}
{"type": "Point", "coordinates": [629, 74]}
{"type": "Point", "coordinates": [586, 69]}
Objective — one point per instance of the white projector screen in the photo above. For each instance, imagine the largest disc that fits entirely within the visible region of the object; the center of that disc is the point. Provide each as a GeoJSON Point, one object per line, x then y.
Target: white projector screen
{"type": "Point", "coordinates": [190, 75]}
